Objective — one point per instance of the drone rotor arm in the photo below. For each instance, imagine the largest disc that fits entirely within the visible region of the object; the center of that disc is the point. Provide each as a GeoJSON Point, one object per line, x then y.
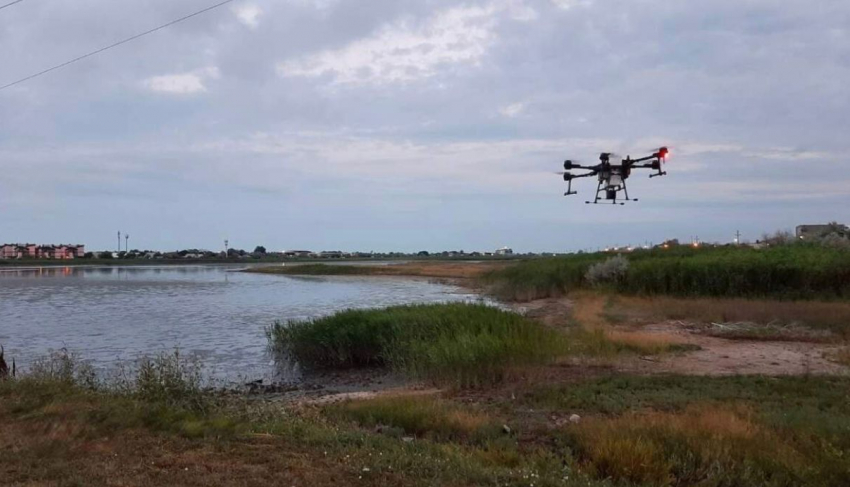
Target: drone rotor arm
{"type": "Point", "coordinates": [647, 158]}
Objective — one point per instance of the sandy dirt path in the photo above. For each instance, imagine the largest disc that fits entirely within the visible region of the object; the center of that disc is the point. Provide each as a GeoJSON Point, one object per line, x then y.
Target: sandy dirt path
{"type": "Point", "coordinates": [717, 356]}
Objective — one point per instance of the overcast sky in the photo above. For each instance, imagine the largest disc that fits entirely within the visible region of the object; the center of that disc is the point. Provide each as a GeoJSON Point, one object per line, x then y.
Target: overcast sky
{"type": "Point", "coordinates": [409, 125]}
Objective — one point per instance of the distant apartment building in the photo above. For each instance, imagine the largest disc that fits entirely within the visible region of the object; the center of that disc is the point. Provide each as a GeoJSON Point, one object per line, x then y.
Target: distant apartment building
{"type": "Point", "coordinates": [298, 253]}
{"type": "Point", "coordinates": [33, 251]}
{"type": "Point", "coordinates": [505, 251]}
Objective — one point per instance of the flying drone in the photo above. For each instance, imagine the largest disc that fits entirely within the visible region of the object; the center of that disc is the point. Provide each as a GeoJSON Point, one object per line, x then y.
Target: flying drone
{"type": "Point", "coordinates": [612, 176]}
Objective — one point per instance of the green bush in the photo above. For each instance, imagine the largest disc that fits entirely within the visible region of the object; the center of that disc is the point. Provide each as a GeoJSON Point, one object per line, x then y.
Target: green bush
{"type": "Point", "coordinates": [465, 344]}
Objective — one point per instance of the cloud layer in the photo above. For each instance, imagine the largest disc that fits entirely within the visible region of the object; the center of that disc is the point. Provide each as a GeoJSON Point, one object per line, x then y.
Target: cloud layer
{"type": "Point", "coordinates": [406, 124]}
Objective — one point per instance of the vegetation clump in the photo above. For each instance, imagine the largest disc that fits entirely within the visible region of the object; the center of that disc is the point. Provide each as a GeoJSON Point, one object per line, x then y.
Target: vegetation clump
{"type": "Point", "coordinates": [610, 271]}
{"type": "Point", "coordinates": [461, 343]}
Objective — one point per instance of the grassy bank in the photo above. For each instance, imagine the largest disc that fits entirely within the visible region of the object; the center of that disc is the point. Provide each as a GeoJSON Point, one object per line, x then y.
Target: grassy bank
{"type": "Point", "coordinates": [799, 271]}
{"type": "Point", "coordinates": [465, 344]}
{"type": "Point", "coordinates": [633, 431]}
{"type": "Point", "coordinates": [63, 434]}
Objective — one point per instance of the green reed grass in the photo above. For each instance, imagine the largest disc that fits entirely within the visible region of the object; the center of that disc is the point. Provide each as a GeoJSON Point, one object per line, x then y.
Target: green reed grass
{"type": "Point", "coordinates": [802, 271]}
{"type": "Point", "coordinates": [464, 344]}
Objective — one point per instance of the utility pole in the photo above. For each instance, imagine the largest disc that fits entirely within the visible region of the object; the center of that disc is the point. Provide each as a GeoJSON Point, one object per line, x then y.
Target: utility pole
{"type": "Point", "coordinates": [226, 243]}
{"type": "Point", "coordinates": [127, 242]}
{"type": "Point", "coordinates": [737, 237]}
{"type": "Point", "coordinates": [119, 241]}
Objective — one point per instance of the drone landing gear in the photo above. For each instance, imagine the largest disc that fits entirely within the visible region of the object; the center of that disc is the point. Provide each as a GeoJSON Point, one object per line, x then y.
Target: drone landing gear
{"type": "Point", "coordinates": [626, 191]}
{"type": "Point", "coordinates": [611, 194]}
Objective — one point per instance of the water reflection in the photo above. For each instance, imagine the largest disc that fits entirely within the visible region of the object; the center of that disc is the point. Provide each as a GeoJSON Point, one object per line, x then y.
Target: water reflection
{"type": "Point", "coordinates": [111, 314]}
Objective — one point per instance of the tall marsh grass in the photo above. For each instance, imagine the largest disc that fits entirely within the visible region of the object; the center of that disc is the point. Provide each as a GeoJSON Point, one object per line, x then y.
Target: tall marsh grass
{"type": "Point", "coordinates": [802, 271]}
{"type": "Point", "coordinates": [168, 378]}
{"type": "Point", "coordinates": [463, 344]}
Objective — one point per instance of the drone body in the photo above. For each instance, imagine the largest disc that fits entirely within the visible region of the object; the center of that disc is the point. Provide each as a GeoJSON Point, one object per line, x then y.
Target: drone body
{"type": "Point", "coordinates": [612, 176]}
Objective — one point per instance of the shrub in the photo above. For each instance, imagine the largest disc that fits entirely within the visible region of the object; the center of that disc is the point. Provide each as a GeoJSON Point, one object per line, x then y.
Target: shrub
{"type": "Point", "coordinates": [611, 271]}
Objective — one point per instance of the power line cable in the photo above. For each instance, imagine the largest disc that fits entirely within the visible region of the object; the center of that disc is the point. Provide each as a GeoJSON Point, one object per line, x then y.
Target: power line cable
{"type": "Point", "coordinates": [84, 56]}
{"type": "Point", "coordinates": [10, 4]}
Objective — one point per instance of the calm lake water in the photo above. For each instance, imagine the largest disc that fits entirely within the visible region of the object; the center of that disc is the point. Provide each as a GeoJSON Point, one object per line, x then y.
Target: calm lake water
{"type": "Point", "coordinates": [107, 315]}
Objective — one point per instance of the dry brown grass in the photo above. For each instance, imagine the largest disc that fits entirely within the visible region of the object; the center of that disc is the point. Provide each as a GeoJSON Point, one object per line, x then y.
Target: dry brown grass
{"type": "Point", "coordinates": [590, 311]}
{"type": "Point", "coordinates": [660, 448]}
{"type": "Point", "coordinates": [832, 316]}
{"type": "Point", "coordinates": [841, 356]}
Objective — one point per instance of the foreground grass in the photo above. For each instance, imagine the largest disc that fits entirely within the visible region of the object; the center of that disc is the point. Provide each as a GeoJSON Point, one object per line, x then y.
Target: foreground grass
{"type": "Point", "coordinates": [62, 434]}
{"type": "Point", "coordinates": [634, 431]}
{"type": "Point", "coordinates": [463, 344]}
{"type": "Point", "coordinates": [799, 271]}
{"type": "Point", "coordinates": [672, 430]}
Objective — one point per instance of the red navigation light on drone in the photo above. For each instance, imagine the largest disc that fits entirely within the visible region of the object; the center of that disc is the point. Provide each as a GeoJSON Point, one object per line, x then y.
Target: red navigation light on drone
{"type": "Point", "coordinates": [662, 153]}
